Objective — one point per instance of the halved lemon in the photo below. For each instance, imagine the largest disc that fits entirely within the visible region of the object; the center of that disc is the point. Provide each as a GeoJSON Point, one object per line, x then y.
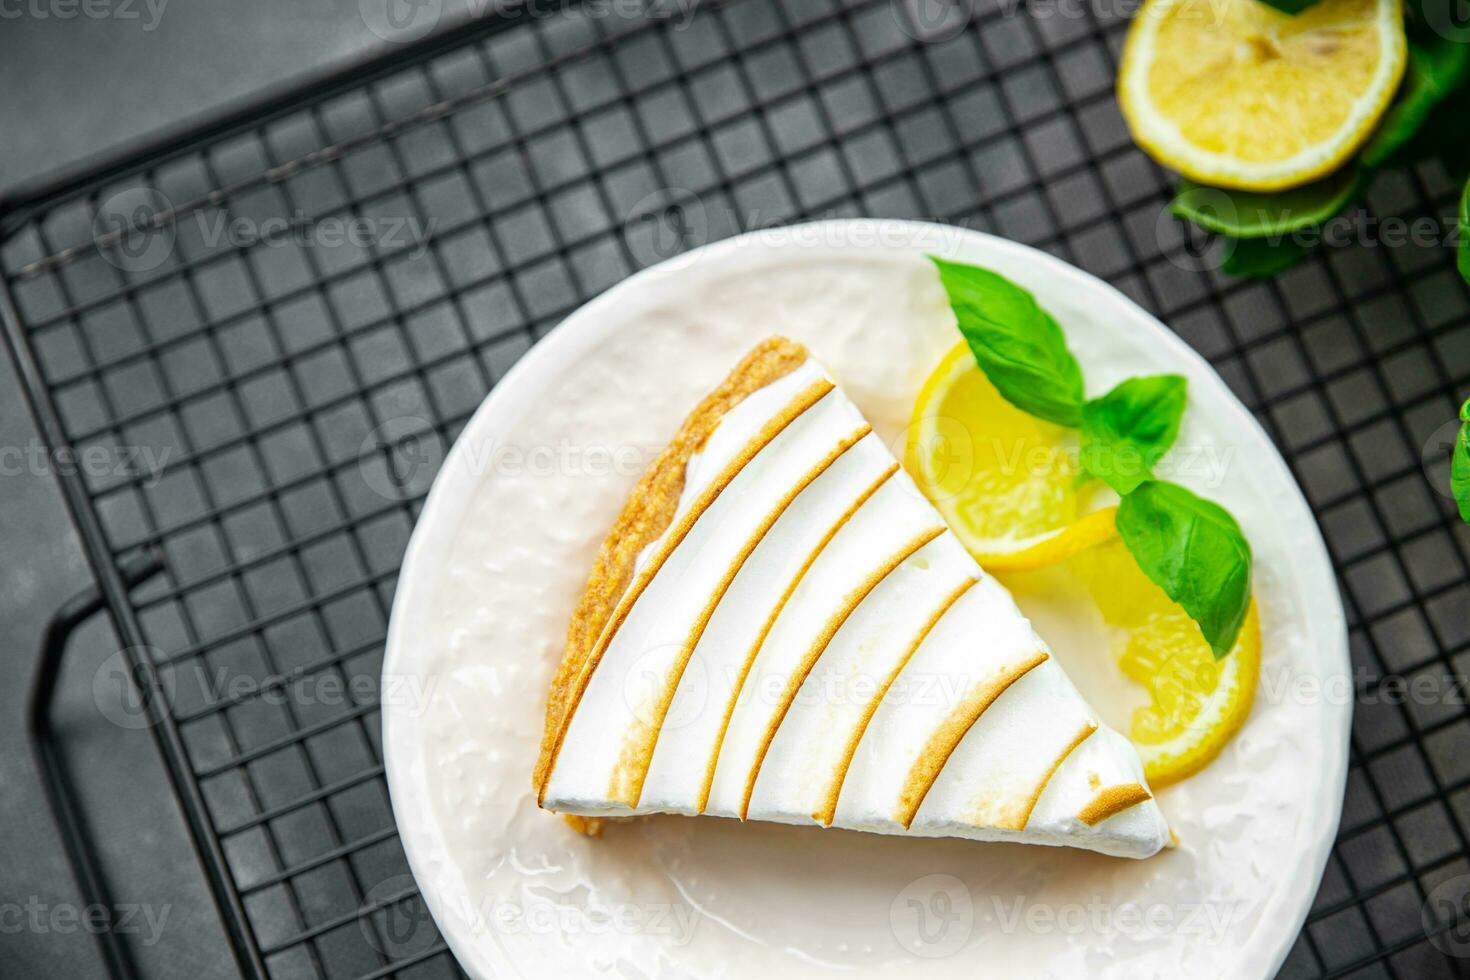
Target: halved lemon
{"type": "Point", "coordinates": [1234, 93]}
{"type": "Point", "coordinates": [1005, 481]}
{"type": "Point", "coordinates": [1197, 703]}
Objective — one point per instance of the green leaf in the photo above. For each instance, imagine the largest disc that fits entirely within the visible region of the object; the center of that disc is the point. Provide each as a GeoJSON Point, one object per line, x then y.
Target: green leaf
{"type": "Point", "coordinates": [1460, 465]}
{"type": "Point", "coordinates": [1464, 249]}
{"type": "Point", "coordinates": [1250, 214]}
{"type": "Point", "coordinates": [1442, 135]}
{"type": "Point", "coordinates": [1261, 257]}
{"type": "Point", "coordinates": [1193, 550]}
{"type": "Point", "coordinates": [1437, 66]}
{"type": "Point", "coordinates": [1017, 344]}
{"type": "Point", "coordinates": [1128, 430]}
{"type": "Point", "coordinates": [1291, 6]}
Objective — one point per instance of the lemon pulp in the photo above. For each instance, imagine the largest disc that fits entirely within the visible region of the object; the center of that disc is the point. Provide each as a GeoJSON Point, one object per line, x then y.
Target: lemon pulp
{"type": "Point", "coordinates": [1234, 93]}
{"type": "Point", "coordinates": [1005, 481]}
{"type": "Point", "coordinates": [1196, 703]}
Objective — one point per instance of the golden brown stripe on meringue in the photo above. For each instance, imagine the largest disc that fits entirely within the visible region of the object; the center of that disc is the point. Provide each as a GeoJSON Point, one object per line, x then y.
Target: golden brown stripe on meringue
{"type": "Point", "coordinates": [1113, 801]}
{"type": "Point", "coordinates": [626, 785]}
{"type": "Point", "coordinates": [819, 647]}
{"type": "Point", "coordinates": [804, 400]}
{"type": "Point", "coordinates": [1013, 813]}
{"type": "Point", "coordinates": [947, 736]}
{"type": "Point", "coordinates": [647, 513]}
{"type": "Point", "coordinates": [1024, 815]}
{"type": "Point", "coordinates": [828, 809]}
{"type": "Point", "coordinates": [853, 508]}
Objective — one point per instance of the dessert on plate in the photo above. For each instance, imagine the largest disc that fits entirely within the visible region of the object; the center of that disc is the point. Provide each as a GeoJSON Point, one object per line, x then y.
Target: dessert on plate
{"type": "Point", "coordinates": [779, 626]}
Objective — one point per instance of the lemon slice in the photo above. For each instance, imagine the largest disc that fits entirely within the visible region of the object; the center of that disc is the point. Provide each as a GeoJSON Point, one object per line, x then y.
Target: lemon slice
{"type": "Point", "coordinates": [1005, 481]}
{"type": "Point", "coordinates": [1197, 703]}
{"type": "Point", "coordinates": [1007, 484]}
{"type": "Point", "coordinates": [1234, 93]}
{"type": "Point", "coordinates": [1056, 546]}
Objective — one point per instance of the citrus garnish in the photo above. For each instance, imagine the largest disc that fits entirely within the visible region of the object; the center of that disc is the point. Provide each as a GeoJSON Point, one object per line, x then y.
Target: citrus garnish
{"type": "Point", "coordinates": [1056, 546]}
{"type": "Point", "coordinates": [1196, 702]}
{"type": "Point", "coordinates": [1234, 93]}
{"type": "Point", "coordinates": [1005, 481]}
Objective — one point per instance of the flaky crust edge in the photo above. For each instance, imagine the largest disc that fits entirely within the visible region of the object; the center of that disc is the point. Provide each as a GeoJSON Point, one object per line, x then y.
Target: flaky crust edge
{"type": "Point", "coordinates": [647, 513]}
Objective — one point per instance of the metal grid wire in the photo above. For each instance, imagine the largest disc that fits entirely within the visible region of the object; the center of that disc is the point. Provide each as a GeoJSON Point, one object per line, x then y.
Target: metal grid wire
{"type": "Point", "coordinates": [531, 167]}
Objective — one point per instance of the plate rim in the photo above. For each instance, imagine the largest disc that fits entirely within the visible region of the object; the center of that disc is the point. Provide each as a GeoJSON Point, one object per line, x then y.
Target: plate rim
{"type": "Point", "coordinates": [584, 328]}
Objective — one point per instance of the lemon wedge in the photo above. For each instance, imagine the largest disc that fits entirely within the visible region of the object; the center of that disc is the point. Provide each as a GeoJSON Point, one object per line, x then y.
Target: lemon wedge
{"type": "Point", "coordinates": [1005, 481]}
{"type": "Point", "coordinates": [1234, 93]}
{"type": "Point", "coordinates": [1196, 703]}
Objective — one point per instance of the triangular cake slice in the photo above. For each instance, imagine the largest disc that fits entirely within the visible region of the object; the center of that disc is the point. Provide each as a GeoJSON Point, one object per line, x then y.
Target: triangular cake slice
{"type": "Point", "coordinates": [781, 627]}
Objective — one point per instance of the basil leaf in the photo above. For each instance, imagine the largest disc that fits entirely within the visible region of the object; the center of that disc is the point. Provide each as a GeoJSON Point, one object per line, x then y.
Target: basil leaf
{"type": "Point", "coordinates": [1464, 249]}
{"type": "Point", "coordinates": [1460, 465]}
{"type": "Point", "coordinates": [1261, 257]}
{"type": "Point", "coordinates": [1128, 430]}
{"type": "Point", "coordinates": [1442, 135]}
{"type": "Point", "coordinates": [1292, 7]}
{"type": "Point", "coordinates": [1020, 348]}
{"type": "Point", "coordinates": [1194, 551]}
{"type": "Point", "coordinates": [1250, 214]}
{"type": "Point", "coordinates": [1437, 66]}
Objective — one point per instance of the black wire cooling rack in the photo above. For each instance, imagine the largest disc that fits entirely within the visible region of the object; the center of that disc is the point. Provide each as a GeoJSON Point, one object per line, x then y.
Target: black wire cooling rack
{"type": "Point", "coordinates": [281, 305]}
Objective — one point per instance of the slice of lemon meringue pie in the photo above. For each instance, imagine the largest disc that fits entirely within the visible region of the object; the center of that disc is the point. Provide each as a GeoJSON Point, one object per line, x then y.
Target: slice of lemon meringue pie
{"type": "Point", "coordinates": [779, 626]}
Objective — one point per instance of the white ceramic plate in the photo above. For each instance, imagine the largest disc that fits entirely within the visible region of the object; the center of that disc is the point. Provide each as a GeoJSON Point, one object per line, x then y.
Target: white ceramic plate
{"type": "Point", "coordinates": [502, 550]}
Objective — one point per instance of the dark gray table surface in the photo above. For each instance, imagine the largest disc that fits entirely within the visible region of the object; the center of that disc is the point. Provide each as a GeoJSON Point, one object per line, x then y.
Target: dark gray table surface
{"type": "Point", "coordinates": [75, 86]}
